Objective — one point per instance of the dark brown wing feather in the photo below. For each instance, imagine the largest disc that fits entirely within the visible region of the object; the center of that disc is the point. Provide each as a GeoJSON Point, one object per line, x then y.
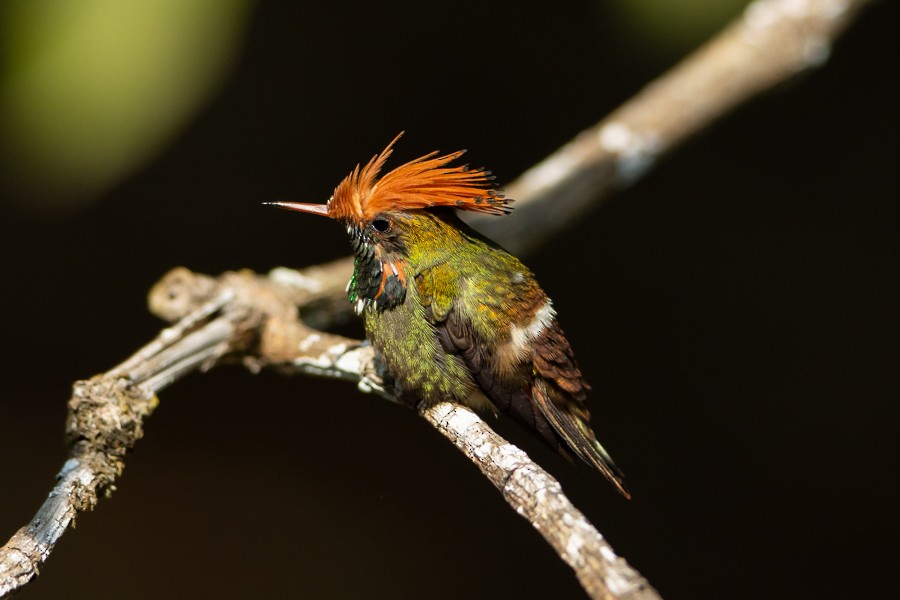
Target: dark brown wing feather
{"type": "Point", "coordinates": [559, 391]}
{"type": "Point", "coordinates": [547, 399]}
{"type": "Point", "coordinates": [545, 394]}
{"type": "Point", "coordinates": [457, 337]}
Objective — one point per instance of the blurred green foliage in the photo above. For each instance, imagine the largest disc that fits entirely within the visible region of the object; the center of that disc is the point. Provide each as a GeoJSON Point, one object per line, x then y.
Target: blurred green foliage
{"type": "Point", "coordinates": [91, 88]}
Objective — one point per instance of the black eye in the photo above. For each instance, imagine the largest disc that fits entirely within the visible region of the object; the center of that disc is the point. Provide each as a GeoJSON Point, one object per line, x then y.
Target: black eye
{"type": "Point", "coordinates": [381, 225]}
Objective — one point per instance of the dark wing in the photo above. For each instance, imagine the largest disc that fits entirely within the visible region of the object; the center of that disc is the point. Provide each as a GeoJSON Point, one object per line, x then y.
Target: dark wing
{"type": "Point", "coordinates": [559, 391]}
{"type": "Point", "coordinates": [547, 399]}
{"type": "Point", "coordinates": [457, 337]}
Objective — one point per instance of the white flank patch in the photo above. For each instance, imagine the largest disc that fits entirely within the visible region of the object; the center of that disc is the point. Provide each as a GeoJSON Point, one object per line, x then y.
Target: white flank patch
{"type": "Point", "coordinates": [542, 318]}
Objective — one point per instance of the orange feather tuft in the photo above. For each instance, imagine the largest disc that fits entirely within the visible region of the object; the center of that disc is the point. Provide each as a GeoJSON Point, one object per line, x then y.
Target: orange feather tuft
{"type": "Point", "coordinates": [425, 182]}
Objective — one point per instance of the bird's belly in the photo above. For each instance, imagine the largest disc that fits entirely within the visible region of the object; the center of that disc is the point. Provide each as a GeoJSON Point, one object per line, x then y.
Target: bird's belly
{"type": "Point", "coordinates": [408, 346]}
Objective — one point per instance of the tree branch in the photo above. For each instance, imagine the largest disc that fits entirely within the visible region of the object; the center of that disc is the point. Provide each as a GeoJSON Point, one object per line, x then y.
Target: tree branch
{"type": "Point", "coordinates": [538, 497]}
{"type": "Point", "coordinates": [106, 415]}
{"type": "Point", "coordinates": [769, 43]}
{"type": "Point", "coordinates": [252, 318]}
{"type": "Point", "coordinates": [290, 345]}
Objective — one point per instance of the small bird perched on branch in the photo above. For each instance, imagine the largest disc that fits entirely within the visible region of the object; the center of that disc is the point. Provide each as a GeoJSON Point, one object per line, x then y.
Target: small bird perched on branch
{"type": "Point", "coordinates": [453, 316]}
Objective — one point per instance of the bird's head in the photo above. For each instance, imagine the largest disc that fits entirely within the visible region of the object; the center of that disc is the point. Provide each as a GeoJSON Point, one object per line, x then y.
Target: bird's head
{"type": "Point", "coordinates": [386, 215]}
{"type": "Point", "coordinates": [373, 207]}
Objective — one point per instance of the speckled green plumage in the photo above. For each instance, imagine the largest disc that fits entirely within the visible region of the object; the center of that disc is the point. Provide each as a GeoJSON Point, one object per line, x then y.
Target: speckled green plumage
{"type": "Point", "coordinates": [446, 265]}
{"type": "Point", "coordinates": [467, 322]}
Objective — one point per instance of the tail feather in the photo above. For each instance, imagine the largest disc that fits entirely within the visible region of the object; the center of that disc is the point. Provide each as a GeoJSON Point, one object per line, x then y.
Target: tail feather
{"type": "Point", "coordinates": [577, 435]}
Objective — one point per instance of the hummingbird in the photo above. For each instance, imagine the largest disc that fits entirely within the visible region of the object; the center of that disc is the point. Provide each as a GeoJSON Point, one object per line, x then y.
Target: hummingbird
{"type": "Point", "coordinates": [452, 315]}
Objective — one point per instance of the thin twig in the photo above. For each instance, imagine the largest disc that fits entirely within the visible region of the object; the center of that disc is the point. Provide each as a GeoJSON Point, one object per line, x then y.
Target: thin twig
{"type": "Point", "coordinates": [538, 497]}
{"type": "Point", "coordinates": [106, 415]}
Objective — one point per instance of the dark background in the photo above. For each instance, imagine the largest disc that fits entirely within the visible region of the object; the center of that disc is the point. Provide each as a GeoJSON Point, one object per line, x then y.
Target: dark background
{"type": "Point", "coordinates": [736, 312]}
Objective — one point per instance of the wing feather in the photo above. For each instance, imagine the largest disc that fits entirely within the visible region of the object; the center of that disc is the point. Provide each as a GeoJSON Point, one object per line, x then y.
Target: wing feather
{"type": "Point", "coordinates": [546, 394]}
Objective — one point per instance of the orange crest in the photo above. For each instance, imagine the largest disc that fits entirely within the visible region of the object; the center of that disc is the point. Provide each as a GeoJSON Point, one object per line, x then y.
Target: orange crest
{"type": "Point", "coordinates": [421, 183]}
